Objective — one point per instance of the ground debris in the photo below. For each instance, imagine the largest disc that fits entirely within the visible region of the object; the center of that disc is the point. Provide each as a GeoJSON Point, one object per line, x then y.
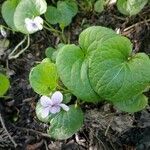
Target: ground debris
{"type": "Point", "coordinates": [105, 126]}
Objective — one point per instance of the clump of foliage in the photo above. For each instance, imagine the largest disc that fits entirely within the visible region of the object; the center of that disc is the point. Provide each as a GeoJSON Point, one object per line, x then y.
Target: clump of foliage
{"type": "Point", "coordinates": [16, 11]}
{"type": "Point", "coordinates": [102, 67]}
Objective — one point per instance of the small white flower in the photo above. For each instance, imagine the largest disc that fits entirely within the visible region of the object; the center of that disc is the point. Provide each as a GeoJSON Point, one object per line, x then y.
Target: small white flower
{"type": "Point", "coordinates": [52, 105]}
{"type": "Point", "coordinates": [34, 25]}
{"type": "Point", "coordinates": [3, 32]}
{"type": "Point", "coordinates": [111, 2]}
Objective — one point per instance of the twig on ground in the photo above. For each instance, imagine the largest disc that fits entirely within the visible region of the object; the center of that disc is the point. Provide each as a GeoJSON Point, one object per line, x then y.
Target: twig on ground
{"type": "Point", "coordinates": [4, 127]}
{"type": "Point", "coordinates": [138, 23]}
{"type": "Point", "coordinates": [108, 126]}
{"type": "Point", "coordinates": [46, 146]}
{"type": "Point", "coordinates": [34, 131]}
{"type": "Point", "coordinates": [80, 141]}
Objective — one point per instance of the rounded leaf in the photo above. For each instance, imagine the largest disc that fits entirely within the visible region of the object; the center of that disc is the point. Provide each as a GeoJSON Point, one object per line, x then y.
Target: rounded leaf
{"type": "Point", "coordinates": [52, 15]}
{"type": "Point", "coordinates": [28, 9]}
{"type": "Point", "coordinates": [135, 104]}
{"type": "Point", "coordinates": [8, 10]}
{"type": "Point", "coordinates": [63, 14]}
{"type": "Point", "coordinates": [43, 78]}
{"type": "Point", "coordinates": [49, 52]}
{"type": "Point", "coordinates": [4, 84]}
{"type": "Point", "coordinates": [115, 73]}
{"type": "Point", "coordinates": [66, 123]}
{"type": "Point", "coordinates": [99, 6]}
{"type": "Point", "coordinates": [131, 7]}
{"type": "Point", "coordinates": [105, 65]}
{"type": "Point", "coordinates": [67, 10]}
{"type": "Point", "coordinates": [73, 71]}
{"type": "Point", "coordinates": [73, 62]}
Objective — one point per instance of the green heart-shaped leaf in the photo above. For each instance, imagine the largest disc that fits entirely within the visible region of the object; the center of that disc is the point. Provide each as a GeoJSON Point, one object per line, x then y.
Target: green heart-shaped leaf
{"type": "Point", "coordinates": [135, 104]}
{"type": "Point", "coordinates": [131, 7]}
{"type": "Point", "coordinates": [28, 9]}
{"type": "Point", "coordinates": [52, 15]}
{"type": "Point", "coordinates": [65, 124]}
{"type": "Point", "coordinates": [72, 68]}
{"type": "Point", "coordinates": [8, 10]}
{"type": "Point", "coordinates": [104, 65]}
{"type": "Point", "coordinates": [63, 14]}
{"type": "Point", "coordinates": [99, 6]}
{"type": "Point", "coordinates": [43, 78]}
{"type": "Point", "coordinates": [115, 73]}
{"type": "Point", "coordinates": [72, 63]}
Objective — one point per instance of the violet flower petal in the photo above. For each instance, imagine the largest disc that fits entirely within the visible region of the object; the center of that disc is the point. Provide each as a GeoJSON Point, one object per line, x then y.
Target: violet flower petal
{"type": "Point", "coordinates": [57, 97]}
{"type": "Point", "coordinates": [45, 112]}
{"type": "Point", "coordinates": [45, 101]}
{"type": "Point", "coordinates": [34, 25]}
{"type": "Point", "coordinates": [39, 22]}
{"type": "Point", "coordinates": [64, 107]}
{"type": "Point", "coordinates": [30, 25]}
{"type": "Point", "coordinates": [55, 109]}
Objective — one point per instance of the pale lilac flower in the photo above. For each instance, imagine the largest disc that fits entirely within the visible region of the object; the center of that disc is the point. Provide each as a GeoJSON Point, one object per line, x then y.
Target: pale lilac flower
{"type": "Point", "coordinates": [52, 105]}
{"type": "Point", "coordinates": [34, 25]}
{"type": "Point", "coordinates": [3, 32]}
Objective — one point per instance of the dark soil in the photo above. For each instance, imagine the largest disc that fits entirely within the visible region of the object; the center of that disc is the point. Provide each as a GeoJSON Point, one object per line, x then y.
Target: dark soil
{"type": "Point", "coordinates": [105, 128]}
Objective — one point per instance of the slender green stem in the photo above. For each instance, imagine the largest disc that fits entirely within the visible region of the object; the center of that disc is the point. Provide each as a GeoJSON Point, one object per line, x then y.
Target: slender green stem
{"type": "Point", "coordinates": [63, 36]}
{"type": "Point", "coordinates": [7, 28]}
{"type": "Point", "coordinates": [17, 46]}
{"type": "Point", "coordinates": [51, 27]}
{"type": "Point", "coordinates": [60, 34]}
{"type": "Point", "coordinates": [12, 55]}
{"type": "Point", "coordinates": [51, 30]}
{"type": "Point", "coordinates": [61, 88]}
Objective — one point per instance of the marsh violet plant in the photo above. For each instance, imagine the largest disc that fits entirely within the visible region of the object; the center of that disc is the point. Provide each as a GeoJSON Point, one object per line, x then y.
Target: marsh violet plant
{"type": "Point", "coordinates": [101, 67]}
{"type": "Point", "coordinates": [52, 105]}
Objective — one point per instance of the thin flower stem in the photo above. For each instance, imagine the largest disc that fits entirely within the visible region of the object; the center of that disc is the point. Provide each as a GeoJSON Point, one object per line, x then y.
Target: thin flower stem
{"type": "Point", "coordinates": [7, 28]}
{"type": "Point", "coordinates": [63, 36]}
{"type": "Point", "coordinates": [51, 30]}
{"type": "Point", "coordinates": [51, 27]}
{"type": "Point", "coordinates": [55, 32]}
{"type": "Point", "coordinates": [60, 34]}
{"type": "Point", "coordinates": [61, 88]}
{"type": "Point", "coordinates": [12, 56]}
{"type": "Point", "coordinates": [17, 46]}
